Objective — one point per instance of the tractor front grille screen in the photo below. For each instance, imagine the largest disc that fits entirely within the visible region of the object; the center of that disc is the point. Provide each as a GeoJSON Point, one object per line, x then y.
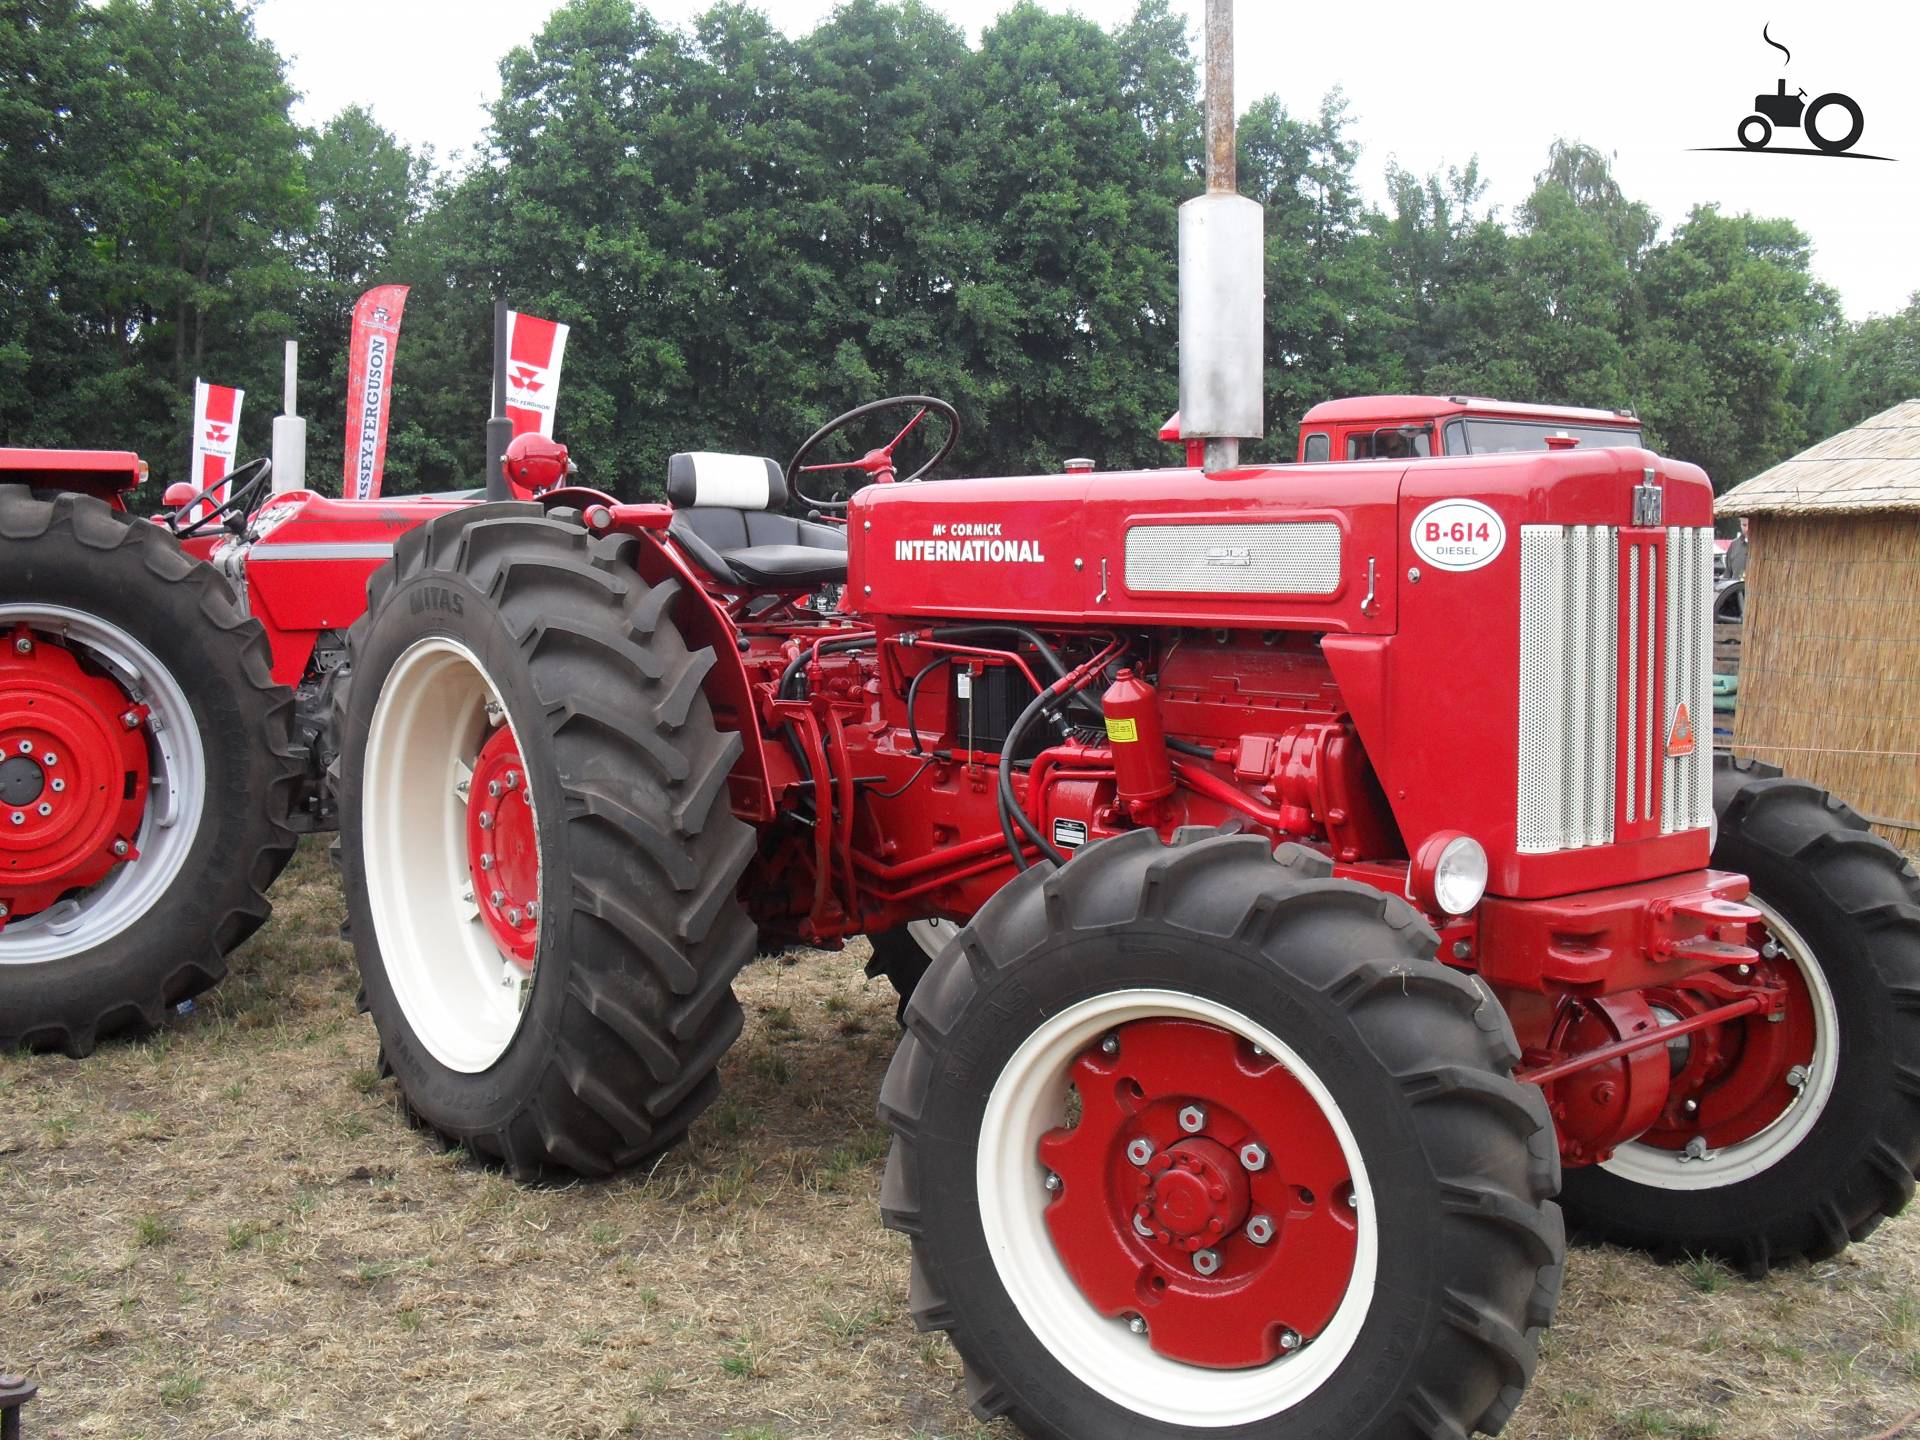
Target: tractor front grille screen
{"type": "Point", "coordinates": [1615, 627]}
{"type": "Point", "coordinates": [1687, 782]}
{"type": "Point", "coordinates": [1569, 665]}
{"type": "Point", "coordinates": [1281, 557]}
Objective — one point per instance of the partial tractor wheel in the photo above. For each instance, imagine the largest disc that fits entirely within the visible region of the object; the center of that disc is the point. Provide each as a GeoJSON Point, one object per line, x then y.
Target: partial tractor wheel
{"type": "Point", "coordinates": [1191, 1141]}
{"type": "Point", "coordinates": [146, 772]}
{"type": "Point", "coordinates": [539, 859]}
{"type": "Point", "coordinates": [903, 954]}
{"type": "Point", "coordinates": [1804, 1133]}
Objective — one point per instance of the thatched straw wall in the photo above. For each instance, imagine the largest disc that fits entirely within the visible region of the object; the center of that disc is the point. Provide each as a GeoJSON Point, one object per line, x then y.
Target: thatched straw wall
{"type": "Point", "coordinates": [1830, 677]}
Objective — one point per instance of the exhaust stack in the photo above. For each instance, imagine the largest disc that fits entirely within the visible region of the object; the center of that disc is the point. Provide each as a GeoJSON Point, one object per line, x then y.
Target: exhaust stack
{"type": "Point", "coordinates": [290, 430]}
{"type": "Point", "coordinates": [1222, 280]}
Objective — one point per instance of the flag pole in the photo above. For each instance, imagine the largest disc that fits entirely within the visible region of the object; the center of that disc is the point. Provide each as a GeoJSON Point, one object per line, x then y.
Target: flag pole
{"type": "Point", "coordinates": [499, 427]}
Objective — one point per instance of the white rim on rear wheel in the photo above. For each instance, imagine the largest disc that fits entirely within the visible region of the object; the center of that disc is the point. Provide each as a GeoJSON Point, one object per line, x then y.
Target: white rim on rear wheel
{"type": "Point", "coordinates": [176, 795]}
{"type": "Point", "coordinates": [462, 997]}
{"type": "Point", "coordinates": [1674, 1170]}
{"type": "Point", "coordinates": [1029, 1099]}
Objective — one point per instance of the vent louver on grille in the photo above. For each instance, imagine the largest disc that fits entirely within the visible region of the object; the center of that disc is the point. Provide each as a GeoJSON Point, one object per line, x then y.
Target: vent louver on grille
{"type": "Point", "coordinates": [1569, 629]}
{"type": "Point", "coordinates": [1687, 782]}
{"type": "Point", "coordinates": [1602, 613]}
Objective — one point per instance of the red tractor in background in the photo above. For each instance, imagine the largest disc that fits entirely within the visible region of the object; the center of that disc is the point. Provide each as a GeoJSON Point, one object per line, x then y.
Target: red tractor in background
{"type": "Point", "coordinates": [164, 692]}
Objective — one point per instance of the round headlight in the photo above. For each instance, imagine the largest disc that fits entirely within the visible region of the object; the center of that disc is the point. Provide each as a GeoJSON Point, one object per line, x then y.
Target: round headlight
{"type": "Point", "coordinates": [1450, 872]}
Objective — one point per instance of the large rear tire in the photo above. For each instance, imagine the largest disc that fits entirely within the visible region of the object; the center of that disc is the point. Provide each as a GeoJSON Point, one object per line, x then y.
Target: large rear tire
{"type": "Point", "coordinates": [1381, 1184]}
{"type": "Point", "coordinates": [539, 857]}
{"type": "Point", "coordinates": [149, 763]}
{"type": "Point", "coordinates": [1835, 1151]}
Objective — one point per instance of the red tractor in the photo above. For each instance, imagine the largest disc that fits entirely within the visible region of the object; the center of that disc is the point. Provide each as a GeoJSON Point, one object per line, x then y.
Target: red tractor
{"type": "Point", "coordinates": [1335, 854]}
{"type": "Point", "coordinates": [164, 691]}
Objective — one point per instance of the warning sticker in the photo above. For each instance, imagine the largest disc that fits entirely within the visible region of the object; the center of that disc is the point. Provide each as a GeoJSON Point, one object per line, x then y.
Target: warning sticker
{"type": "Point", "coordinates": [1122, 732]}
{"type": "Point", "coordinates": [1458, 535]}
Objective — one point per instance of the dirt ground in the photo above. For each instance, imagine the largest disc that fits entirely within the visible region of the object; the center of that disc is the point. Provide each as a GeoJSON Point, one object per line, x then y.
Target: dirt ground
{"type": "Point", "coordinates": [228, 1230]}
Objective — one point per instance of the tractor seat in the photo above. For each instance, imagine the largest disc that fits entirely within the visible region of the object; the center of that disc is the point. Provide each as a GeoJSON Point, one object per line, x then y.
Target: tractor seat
{"type": "Point", "coordinates": [728, 515]}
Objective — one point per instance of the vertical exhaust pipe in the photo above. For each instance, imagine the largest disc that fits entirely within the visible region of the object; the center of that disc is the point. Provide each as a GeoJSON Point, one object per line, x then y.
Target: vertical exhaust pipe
{"type": "Point", "coordinates": [290, 429]}
{"type": "Point", "coordinates": [1222, 280]}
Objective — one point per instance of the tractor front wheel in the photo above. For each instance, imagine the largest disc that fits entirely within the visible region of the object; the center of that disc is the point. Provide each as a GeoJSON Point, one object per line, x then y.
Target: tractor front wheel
{"type": "Point", "coordinates": [146, 772]}
{"type": "Point", "coordinates": [539, 858]}
{"type": "Point", "coordinates": [1191, 1142]}
{"type": "Point", "coordinates": [1800, 1135]}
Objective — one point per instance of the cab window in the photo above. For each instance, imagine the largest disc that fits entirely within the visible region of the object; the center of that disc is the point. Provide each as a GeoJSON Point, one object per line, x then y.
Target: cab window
{"type": "Point", "coordinates": [1391, 442]}
{"type": "Point", "coordinates": [1319, 447]}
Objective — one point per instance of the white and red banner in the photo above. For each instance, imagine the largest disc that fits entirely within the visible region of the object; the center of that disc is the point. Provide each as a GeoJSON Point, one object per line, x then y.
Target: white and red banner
{"type": "Point", "coordinates": [376, 334]}
{"type": "Point", "coordinates": [216, 436]}
{"type": "Point", "coordinates": [534, 348]}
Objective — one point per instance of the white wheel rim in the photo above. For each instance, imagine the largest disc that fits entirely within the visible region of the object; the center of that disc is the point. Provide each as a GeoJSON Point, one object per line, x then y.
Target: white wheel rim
{"type": "Point", "coordinates": [1729, 1165]}
{"type": "Point", "coordinates": [462, 997]}
{"type": "Point", "coordinates": [933, 935]}
{"type": "Point", "coordinates": [1027, 1100]}
{"type": "Point", "coordinates": [176, 796]}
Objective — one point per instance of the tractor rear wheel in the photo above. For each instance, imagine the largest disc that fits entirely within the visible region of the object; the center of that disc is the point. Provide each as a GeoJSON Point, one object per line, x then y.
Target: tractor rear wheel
{"type": "Point", "coordinates": [1193, 1143]}
{"type": "Point", "coordinates": [146, 772]}
{"type": "Point", "coordinates": [539, 857]}
{"type": "Point", "coordinates": [1803, 1134]}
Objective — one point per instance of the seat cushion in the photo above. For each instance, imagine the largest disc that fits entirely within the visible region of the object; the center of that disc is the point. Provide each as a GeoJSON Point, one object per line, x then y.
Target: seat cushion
{"type": "Point", "coordinates": [749, 547]}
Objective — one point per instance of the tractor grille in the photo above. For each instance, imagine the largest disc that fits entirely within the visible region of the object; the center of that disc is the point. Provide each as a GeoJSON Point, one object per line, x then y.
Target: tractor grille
{"type": "Point", "coordinates": [1605, 659]}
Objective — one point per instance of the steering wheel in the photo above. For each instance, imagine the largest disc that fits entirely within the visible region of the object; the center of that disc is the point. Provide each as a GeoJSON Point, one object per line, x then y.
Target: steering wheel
{"type": "Point", "coordinates": [242, 486]}
{"type": "Point", "coordinates": [875, 464]}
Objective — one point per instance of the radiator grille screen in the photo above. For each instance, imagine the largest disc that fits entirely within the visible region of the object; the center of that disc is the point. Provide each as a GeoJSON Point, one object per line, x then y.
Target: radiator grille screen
{"type": "Point", "coordinates": [1569, 662]}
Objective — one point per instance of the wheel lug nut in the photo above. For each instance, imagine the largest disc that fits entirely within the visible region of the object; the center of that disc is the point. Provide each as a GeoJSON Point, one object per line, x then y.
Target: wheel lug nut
{"type": "Point", "coordinates": [58, 786]}
{"type": "Point", "coordinates": [1692, 1107]}
{"type": "Point", "coordinates": [1110, 1045]}
{"type": "Point", "coordinates": [1193, 1119]}
{"type": "Point", "coordinates": [1289, 1340]}
{"type": "Point", "coordinates": [486, 820]}
{"type": "Point", "coordinates": [513, 779]}
{"type": "Point", "coordinates": [44, 808]}
{"type": "Point", "coordinates": [4, 911]}
{"type": "Point", "coordinates": [496, 897]}
{"type": "Point", "coordinates": [513, 914]}
{"type": "Point", "coordinates": [1797, 1076]}
{"type": "Point", "coordinates": [1137, 1325]}
{"type": "Point", "coordinates": [533, 909]}
{"type": "Point", "coordinates": [1140, 1150]}
{"type": "Point", "coordinates": [19, 818]}
{"type": "Point", "coordinates": [120, 848]}
{"type": "Point", "coordinates": [1053, 1182]}
{"type": "Point", "coordinates": [1260, 1229]}
{"type": "Point", "coordinates": [1205, 1262]}
{"type": "Point", "coordinates": [486, 861]}
{"type": "Point", "coordinates": [493, 788]}
{"type": "Point", "coordinates": [1142, 1228]}
{"type": "Point", "coordinates": [26, 747]}
{"type": "Point", "coordinates": [131, 719]}
{"type": "Point", "coordinates": [1253, 1157]}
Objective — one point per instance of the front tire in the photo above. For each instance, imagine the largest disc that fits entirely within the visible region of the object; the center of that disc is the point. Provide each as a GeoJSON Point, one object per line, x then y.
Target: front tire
{"type": "Point", "coordinates": [1840, 1154]}
{"type": "Point", "coordinates": [539, 858]}
{"type": "Point", "coordinates": [1393, 1217]}
{"type": "Point", "coordinates": [147, 773]}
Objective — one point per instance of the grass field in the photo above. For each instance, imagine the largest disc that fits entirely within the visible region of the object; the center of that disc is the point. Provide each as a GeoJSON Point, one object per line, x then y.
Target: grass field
{"type": "Point", "coordinates": [228, 1230]}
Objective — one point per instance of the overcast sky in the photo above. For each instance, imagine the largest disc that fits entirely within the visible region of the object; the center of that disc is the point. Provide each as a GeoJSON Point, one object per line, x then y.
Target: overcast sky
{"type": "Point", "coordinates": [1427, 85]}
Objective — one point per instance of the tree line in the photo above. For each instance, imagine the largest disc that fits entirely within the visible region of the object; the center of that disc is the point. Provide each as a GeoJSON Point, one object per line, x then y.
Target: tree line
{"type": "Point", "coordinates": [750, 232]}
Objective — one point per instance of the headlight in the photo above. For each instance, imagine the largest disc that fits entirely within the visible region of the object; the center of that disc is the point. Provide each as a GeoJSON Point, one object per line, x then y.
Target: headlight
{"type": "Point", "coordinates": [1450, 872]}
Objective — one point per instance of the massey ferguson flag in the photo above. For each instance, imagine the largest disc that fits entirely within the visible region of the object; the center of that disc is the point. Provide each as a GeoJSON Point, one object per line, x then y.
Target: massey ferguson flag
{"type": "Point", "coordinates": [534, 348]}
{"type": "Point", "coordinates": [216, 434]}
{"type": "Point", "coordinates": [376, 333]}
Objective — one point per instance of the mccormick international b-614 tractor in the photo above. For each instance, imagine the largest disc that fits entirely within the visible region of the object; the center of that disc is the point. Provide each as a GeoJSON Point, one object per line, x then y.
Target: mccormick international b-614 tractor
{"type": "Point", "coordinates": [1335, 856]}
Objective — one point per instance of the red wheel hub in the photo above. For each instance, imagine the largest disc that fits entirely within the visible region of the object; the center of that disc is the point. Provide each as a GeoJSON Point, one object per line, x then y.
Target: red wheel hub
{"type": "Point", "coordinates": [1736, 1076]}
{"type": "Point", "coordinates": [1204, 1190]}
{"type": "Point", "coordinates": [73, 774]}
{"type": "Point", "coordinates": [503, 849]}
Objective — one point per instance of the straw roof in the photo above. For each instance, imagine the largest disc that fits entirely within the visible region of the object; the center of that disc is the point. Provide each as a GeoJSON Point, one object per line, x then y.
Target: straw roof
{"type": "Point", "coordinates": [1873, 466]}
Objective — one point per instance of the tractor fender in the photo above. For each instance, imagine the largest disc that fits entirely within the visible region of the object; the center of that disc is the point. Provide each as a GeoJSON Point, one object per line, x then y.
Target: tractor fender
{"type": "Point", "coordinates": [729, 691]}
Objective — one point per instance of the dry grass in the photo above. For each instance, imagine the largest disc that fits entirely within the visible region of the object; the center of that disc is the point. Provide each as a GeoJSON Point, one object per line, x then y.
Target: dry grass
{"type": "Point", "coordinates": [227, 1230]}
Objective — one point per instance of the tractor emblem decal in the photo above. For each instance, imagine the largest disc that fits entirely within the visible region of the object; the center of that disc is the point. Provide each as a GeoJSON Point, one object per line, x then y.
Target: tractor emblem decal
{"type": "Point", "coordinates": [1833, 122]}
{"type": "Point", "coordinates": [1680, 738]}
{"type": "Point", "coordinates": [527, 377]}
